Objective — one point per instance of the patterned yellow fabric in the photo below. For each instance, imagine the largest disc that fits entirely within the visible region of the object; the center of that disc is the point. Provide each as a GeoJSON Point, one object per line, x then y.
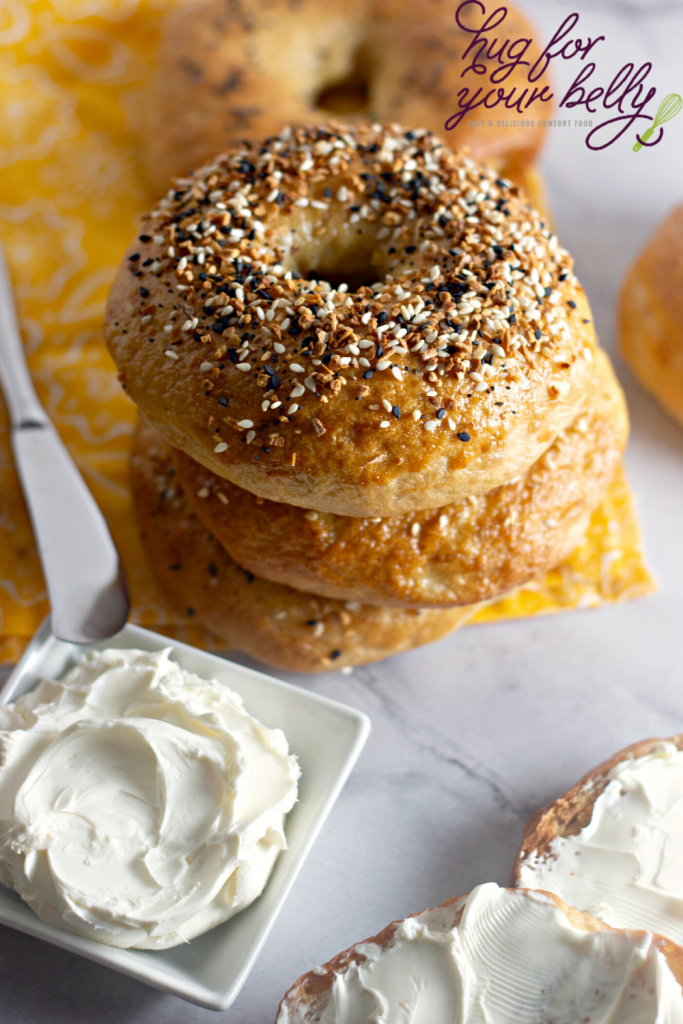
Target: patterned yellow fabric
{"type": "Point", "coordinates": [608, 566]}
{"type": "Point", "coordinates": [72, 81]}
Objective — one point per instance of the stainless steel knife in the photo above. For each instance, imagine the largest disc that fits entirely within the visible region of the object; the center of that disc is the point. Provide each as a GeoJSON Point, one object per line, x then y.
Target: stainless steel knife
{"type": "Point", "coordinates": [85, 579]}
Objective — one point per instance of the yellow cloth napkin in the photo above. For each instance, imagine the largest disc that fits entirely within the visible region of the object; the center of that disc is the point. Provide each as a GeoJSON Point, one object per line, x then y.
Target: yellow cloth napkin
{"type": "Point", "coordinates": [72, 85]}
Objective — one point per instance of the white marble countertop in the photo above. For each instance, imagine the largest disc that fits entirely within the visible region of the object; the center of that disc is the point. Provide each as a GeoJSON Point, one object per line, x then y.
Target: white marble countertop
{"type": "Point", "coordinates": [473, 734]}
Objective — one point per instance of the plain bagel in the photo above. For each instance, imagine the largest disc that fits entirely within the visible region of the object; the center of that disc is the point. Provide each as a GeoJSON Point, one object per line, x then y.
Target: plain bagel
{"type": "Point", "coordinates": [448, 376]}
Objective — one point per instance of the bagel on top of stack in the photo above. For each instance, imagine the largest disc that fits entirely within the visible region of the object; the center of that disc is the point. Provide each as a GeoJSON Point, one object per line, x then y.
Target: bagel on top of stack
{"type": "Point", "coordinates": [360, 323]}
{"type": "Point", "coordinates": [232, 70]}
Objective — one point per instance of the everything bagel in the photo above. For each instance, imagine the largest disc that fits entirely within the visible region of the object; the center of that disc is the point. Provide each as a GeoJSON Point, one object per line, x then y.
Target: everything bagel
{"type": "Point", "coordinates": [455, 347]}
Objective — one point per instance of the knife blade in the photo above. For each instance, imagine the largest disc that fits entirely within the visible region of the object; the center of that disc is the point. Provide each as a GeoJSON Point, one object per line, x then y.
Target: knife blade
{"type": "Point", "coordinates": [83, 572]}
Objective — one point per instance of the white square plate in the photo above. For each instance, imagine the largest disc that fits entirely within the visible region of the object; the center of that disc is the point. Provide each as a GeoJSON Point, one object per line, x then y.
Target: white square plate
{"type": "Point", "coordinates": [327, 738]}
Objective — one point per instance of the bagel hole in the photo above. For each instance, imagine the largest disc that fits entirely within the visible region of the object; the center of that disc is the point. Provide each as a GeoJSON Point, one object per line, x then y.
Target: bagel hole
{"type": "Point", "coordinates": [353, 279]}
{"type": "Point", "coordinates": [348, 95]}
{"type": "Point", "coordinates": [354, 266]}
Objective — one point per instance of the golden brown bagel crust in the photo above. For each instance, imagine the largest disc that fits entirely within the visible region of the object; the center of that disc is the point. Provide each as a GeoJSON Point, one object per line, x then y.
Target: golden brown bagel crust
{"type": "Point", "coordinates": [651, 315]}
{"type": "Point", "coordinates": [482, 414]}
{"type": "Point", "coordinates": [469, 551]}
{"type": "Point", "coordinates": [305, 994]}
{"type": "Point", "coordinates": [236, 70]}
{"type": "Point", "coordinates": [572, 812]}
{"type": "Point", "coordinates": [283, 627]}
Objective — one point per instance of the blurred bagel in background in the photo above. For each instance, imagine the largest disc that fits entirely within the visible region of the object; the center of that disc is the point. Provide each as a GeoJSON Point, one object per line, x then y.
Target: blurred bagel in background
{"type": "Point", "coordinates": [651, 315]}
{"type": "Point", "coordinates": [232, 71]}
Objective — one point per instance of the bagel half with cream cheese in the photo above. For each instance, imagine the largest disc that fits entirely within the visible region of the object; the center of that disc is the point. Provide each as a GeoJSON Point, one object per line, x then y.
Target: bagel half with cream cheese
{"type": "Point", "coordinates": [613, 844]}
{"type": "Point", "coordinates": [496, 954]}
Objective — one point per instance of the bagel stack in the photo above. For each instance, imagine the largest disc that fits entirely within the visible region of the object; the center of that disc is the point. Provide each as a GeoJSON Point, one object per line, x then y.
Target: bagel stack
{"type": "Point", "coordinates": [380, 384]}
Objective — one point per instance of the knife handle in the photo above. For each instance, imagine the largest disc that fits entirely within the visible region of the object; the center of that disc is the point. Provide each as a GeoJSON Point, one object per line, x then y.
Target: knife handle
{"type": "Point", "coordinates": [22, 401]}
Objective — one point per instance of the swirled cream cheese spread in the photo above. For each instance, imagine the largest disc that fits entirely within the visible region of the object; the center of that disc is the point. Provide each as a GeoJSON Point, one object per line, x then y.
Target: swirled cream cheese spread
{"type": "Point", "coordinates": [626, 865]}
{"type": "Point", "coordinates": [139, 804]}
{"type": "Point", "coordinates": [497, 957]}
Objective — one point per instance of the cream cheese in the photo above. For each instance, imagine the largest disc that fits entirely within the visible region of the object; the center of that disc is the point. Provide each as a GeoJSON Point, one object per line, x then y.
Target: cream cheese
{"type": "Point", "coordinates": [513, 958]}
{"type": "Point", "coordinates": [139, 804]}
{"type": "Point", "coordinates": [626, 865]}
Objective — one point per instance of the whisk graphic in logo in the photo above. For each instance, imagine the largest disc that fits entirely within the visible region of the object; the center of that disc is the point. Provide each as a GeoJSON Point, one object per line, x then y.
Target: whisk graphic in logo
{"type": "Point", "coordinates": [668, 109]}
{"type": "Point", "coordinates": [492, 58]}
